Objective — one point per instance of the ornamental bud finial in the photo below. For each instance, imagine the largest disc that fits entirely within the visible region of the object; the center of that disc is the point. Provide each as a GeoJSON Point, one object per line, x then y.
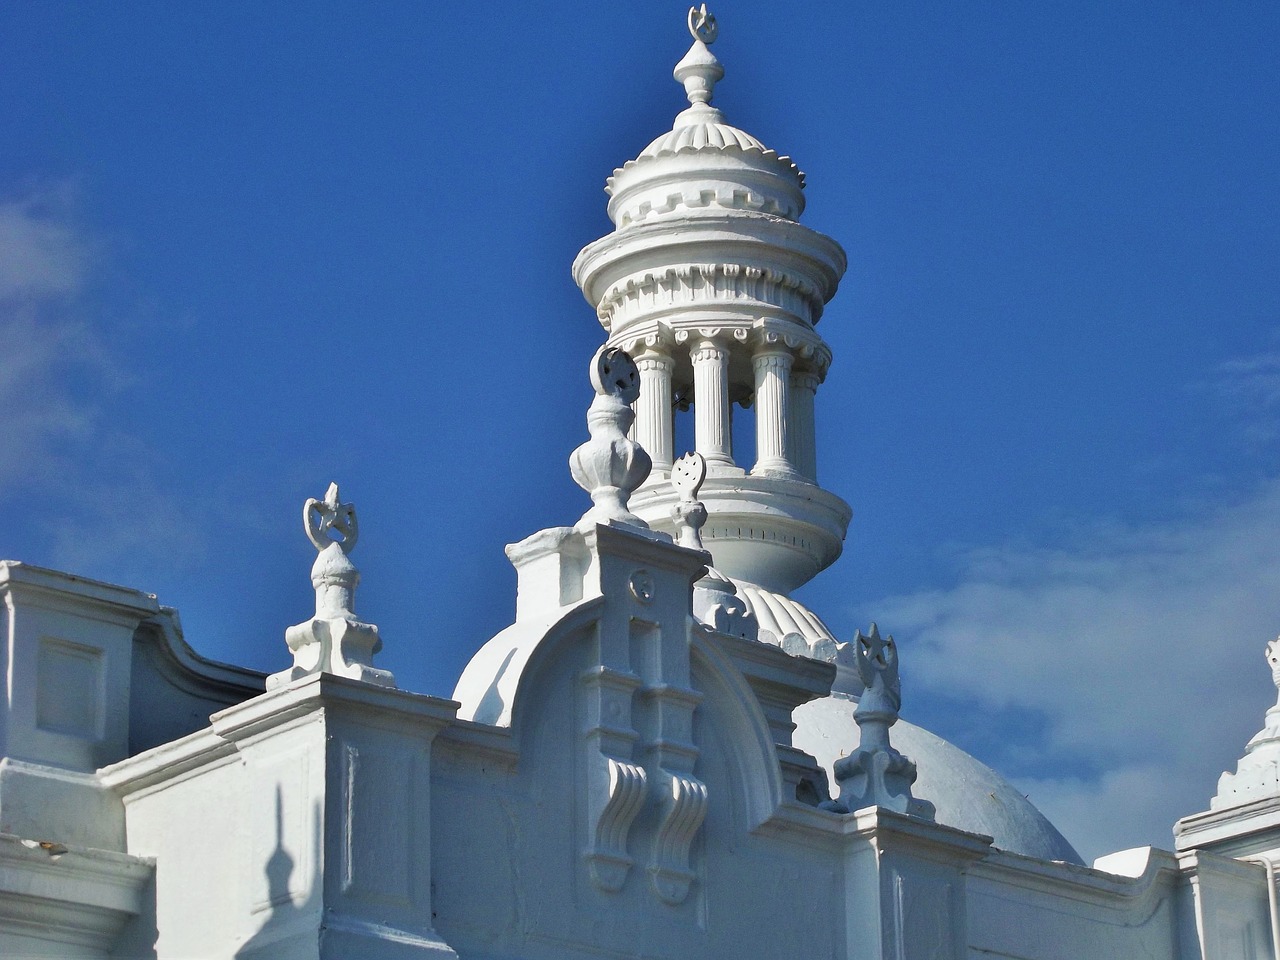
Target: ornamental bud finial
{"type": "Point", "coordinates": [699, 70]}
{"type": "Point", "coordinates": [715, 599]}
{"type": "Point", "coordinates": [334, 640]}
{"type": "Point", "coordinates": [687, 476]}
{"type": "Point", "coordinates": [876, 774]}
{"type": "Point", "coordinates": [610, 466]}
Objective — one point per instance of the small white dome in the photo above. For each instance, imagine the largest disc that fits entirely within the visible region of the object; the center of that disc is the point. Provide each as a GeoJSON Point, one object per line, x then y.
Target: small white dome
{"type": "Point", "coordinates": [968, 794]}
{"type": "Point", "coordinates": [703, 162]}
{"type": "Point", "coordinates": [784, 617]}
{"type": "Point", "coordinates": [699, 136]}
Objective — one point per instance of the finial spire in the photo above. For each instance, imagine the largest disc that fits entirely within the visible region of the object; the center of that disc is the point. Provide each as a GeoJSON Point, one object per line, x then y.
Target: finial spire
{"type": "Point", "coordinates": [334, 640]}
{"type": "Point", "coordinates": [687, 476]}
{"type": "Point", "coordinates": [699, 70]}
{"type": "Point", "coordinates": [715, 599]}
{"type": "Point", "coordinates": [611, 465]}
{"type": "Point", "coordinates": [876, 774]}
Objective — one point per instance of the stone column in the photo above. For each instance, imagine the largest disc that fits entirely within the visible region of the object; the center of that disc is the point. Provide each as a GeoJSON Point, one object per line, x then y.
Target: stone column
{"type": "Point", "coordinates": [653, 409]}
{"type": "Point", "coordinates": [772, 364]}
{"type": "Point", "coordinates": [804, 450]}
{"type": "Point", "coordinates": [712, 436]}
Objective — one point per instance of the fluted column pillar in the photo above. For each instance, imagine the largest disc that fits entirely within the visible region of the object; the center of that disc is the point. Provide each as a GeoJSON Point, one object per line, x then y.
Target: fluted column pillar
{"type": "Point", "coordinates": [653, 409]}
{"type": "Point", "coordinates": [804, 449]}
{"type": "Point", "coordinates": [772, 363]}
{"type": "Point", "coordinates": [712, 432]}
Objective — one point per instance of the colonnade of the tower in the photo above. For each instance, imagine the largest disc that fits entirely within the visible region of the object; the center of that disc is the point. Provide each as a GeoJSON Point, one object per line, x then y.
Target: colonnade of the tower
{"type": "Point", "coordinates": [782, 391]}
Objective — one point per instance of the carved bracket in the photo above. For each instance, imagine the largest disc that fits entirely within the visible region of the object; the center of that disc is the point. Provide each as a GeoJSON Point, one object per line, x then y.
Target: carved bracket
{"type": "Point", "coordinates": [623, 797]}
{"type": "Point", "coordinates": [616, 787]}
{"type": "Point", "coordinates": [684, 809]}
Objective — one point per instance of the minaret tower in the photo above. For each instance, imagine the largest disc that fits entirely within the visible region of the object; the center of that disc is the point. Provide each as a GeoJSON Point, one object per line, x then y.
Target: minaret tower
{"type": "Point", "coordinates": [715, 289]}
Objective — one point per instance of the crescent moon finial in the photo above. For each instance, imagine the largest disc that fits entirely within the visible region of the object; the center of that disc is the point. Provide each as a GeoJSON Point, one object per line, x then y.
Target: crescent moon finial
{"type": "Point", "coordinates": [702, 24]}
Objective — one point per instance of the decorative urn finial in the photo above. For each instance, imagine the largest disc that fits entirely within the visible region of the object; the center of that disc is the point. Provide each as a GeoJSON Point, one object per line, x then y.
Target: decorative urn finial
{"type": "Point", "coordinates": [334, 640]}
{"type": "Point", "coordinates": [611, 465]}
{"type": "Point", "coordinates": [876, 774]}
{"type": "Point", "coordinates": [699, 70]}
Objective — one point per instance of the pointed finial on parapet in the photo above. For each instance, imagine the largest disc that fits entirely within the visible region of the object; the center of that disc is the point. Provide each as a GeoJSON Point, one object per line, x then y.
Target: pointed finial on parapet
{"type": "Point", "coordinates": [876, 774]}
{"type": "Point", "coordinates": [333, 641]}
{"type": "Point", "coordinates": [610, 466]}
{"type": "Point", "coordinates": [699, 70]}
{"type": "Point", "coordinates": [687, 476]}
{"type": "Point", "coordinates": [715, 599]}
{"type": "Point", "coordinates": [1257, 775]}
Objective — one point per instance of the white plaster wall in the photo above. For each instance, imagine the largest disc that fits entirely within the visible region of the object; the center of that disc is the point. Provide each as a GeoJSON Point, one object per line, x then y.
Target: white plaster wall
{"type": "Point", "coordinates": [510, 879]}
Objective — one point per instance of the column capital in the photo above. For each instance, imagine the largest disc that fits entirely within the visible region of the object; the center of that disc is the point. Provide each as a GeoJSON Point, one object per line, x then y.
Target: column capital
{"type": "Point", "coordinates": [720, 334]}
{"type": "Point", "coordinates": [652, 358]}
{"type": "Point", "coordinates": [769, 340]}
{"type": "Point", "coordinates": [656, 343]}
{"type": "Point", "coordinates": [771, 356]}
{"type": "Point", "coordinates": [707, 348]}
{"type": "Point", "coordinates": [806, 379]}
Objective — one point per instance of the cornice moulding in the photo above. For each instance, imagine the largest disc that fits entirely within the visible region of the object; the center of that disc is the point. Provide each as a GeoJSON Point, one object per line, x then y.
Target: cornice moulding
{"type": "Point", "coordinates": [52, 589]}
{"type": "Point", "coordinates": [681, 252]}
{"type": "Point", "coordinates": [74, 896]}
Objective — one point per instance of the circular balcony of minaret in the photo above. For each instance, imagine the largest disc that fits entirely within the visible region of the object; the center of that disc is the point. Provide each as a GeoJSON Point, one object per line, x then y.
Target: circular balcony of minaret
{"type": "Point", "coordinates": [775, 532]}
{"type": "Point", "coordinates": [661, 271]}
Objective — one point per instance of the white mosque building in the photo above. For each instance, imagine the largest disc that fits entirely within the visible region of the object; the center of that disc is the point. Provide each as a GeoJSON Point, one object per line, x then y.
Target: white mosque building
{"type": "Point", "coordinates": [664, 756]}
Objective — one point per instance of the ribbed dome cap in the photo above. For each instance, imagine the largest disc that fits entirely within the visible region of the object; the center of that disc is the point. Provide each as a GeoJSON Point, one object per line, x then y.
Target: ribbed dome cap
{"type": "Point", "coordinates": [703, 162]}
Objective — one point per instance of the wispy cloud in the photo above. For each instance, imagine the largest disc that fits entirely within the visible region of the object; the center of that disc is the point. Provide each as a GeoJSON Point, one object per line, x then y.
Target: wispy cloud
{"type": "Point", "coordinates": [1250, 386]}
{"type": "Point", "coordinates": [45, 255]}
{"type": "Point", "coordinates": [1140, 648]}
{"type": "Point", "coordinates": [44, 265]}
{"type": "Point", "coordinates": [65, 458]}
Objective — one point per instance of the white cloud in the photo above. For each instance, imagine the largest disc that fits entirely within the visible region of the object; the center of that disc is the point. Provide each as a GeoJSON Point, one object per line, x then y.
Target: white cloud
{"type": "Point", "coordinates": [43, 266]}
{"type": "Point", "coordinates": [44, 255]}
{"type": "Point", "coordinates": [1142, 649]}
{"type": "Point", "coordinates": [1250, 386]}
{"type": "Point", "coordinates": [65, 459]}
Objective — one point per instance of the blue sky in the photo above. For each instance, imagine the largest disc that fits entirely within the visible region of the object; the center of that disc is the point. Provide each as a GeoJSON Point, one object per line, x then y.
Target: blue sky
{"type": "Point", "coordinates": [245, 250]}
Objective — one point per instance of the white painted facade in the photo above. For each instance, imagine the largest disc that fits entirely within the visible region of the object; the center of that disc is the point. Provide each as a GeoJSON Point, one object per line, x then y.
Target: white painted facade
{"type": "Point", "coordinates": [663, 756]}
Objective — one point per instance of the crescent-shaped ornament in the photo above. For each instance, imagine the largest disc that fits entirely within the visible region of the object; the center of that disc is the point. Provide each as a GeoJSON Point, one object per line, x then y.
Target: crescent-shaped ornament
{"type": "Point", "coordinates": [322, 518]}
{"type": "Point", "coordinates": [703, 24]}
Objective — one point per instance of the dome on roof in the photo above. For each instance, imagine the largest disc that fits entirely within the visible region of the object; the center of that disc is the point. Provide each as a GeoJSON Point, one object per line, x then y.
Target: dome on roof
{"type": "Point", "coordinates": [701, 136]}
{"type": "Point", "coordinates": [703, 162]}
{"type": "Point", "coordinates": [784, 617]}
{"type": "Point", "coordinates": [701, 128]}
{"type": "Point", "coordinates": [968, 794]}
